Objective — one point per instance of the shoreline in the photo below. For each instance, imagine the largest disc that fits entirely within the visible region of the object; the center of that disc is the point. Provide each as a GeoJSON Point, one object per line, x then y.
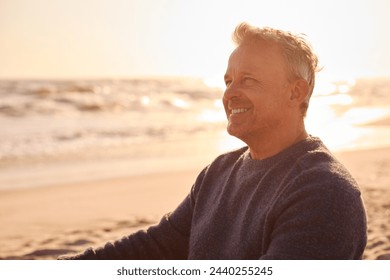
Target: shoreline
{"type": "Point", "coordinates": [115, 162]}
{"type": "Point", "coordinates": [134, 160]}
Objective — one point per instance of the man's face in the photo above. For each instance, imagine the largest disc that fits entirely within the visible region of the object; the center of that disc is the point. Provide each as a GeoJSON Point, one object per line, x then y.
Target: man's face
{"type": "Point", "coordinates": [257, 91]}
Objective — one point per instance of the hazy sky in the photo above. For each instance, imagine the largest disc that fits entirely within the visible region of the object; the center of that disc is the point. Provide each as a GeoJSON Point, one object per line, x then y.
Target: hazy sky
{"type": "Point", "coordinates": [121, 38]}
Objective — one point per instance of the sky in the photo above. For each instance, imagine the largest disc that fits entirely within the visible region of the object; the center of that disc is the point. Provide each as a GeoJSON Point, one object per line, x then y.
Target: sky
{"type": "Point", "coordinates": [119, 38]}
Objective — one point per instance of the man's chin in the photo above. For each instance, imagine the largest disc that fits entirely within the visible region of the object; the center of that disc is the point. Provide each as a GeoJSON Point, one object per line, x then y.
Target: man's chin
{"type": "Point", "coordinates": [236, 132]}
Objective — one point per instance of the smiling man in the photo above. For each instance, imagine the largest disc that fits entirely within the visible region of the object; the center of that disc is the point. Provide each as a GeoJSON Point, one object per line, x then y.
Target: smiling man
{"type": "Point", "coordinates": [263, 98]}
{"type": "Point", "coordinates": [284, 195]}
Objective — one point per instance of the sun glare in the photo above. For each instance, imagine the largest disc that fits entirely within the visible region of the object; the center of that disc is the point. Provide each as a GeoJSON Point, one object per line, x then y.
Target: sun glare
{"type": "Point", "coordinates": [365, 115]}
{"type": "Point", "coordinates": [180, 103]}
{"type": "Point", "coordinates": [214, 82]}
{"type": "Point", "coordinates": [212, 116]}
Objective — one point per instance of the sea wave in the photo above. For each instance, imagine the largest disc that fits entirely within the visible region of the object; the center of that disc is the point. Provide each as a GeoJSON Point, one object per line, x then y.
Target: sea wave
{"type": "Point", "coordinates": [21, 98]}
{"type": "Point", "coordinates": [49, 117]}
{"type": "Point", "coordinates": [52, 117]}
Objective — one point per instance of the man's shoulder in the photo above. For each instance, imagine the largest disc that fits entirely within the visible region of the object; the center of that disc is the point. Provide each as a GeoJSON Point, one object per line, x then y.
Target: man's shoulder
{"type": "Point", "coordinates": [320, 165]}
{"type": "Point", "coordinates": [320, 159]}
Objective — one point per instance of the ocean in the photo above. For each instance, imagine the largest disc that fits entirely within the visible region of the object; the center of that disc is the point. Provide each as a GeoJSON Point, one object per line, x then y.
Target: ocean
{"type": "Point", "coordinates": [163, 120]}
{"type": "Point", "coordinates": [50, 118]}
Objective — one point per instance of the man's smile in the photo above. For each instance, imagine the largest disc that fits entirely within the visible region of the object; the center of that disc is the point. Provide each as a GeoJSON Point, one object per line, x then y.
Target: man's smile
{"type": "Point", "coordinates": [238, 110]}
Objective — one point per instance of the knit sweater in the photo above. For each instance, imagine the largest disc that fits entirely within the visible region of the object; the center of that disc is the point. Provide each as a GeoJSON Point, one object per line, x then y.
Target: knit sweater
{"type": "Point", "coordinates": [299, 204]}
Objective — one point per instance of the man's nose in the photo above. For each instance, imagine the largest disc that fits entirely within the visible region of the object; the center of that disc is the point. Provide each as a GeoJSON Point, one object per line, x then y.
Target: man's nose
{"type": "Point", "coordinates": [232, 91]}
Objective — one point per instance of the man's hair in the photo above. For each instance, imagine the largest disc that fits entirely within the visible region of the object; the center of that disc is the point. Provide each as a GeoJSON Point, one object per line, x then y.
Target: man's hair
{"type": "Point", "coordinates": [301, 61]}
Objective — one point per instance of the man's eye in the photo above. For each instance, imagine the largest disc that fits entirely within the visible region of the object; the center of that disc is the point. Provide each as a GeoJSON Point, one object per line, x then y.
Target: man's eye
{"type": "Point", "coordinates": [248, 81]}
{"type": "Point", "coordinates": [228, 82]}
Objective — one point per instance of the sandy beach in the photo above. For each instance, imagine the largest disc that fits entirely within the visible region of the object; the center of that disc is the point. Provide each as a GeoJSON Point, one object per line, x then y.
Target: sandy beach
{"type": "Point", "coordinates": [45, 222]}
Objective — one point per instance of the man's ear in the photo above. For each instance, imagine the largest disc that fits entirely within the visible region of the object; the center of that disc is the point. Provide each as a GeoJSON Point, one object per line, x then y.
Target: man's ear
{"type": "Point", "coordinates": [299, 91]}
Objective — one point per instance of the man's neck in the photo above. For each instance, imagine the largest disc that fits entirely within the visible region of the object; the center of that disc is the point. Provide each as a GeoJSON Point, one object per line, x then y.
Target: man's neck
{"type": "Point", "coordinates": [270, 146]}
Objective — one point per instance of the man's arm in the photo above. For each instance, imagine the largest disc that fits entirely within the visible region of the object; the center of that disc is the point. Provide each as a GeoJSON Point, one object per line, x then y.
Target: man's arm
{"type": "Point", "coordinates": [322, 222]}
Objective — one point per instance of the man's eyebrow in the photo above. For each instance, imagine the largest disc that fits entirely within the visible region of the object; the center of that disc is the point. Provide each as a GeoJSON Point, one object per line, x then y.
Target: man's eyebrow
{"type": "Point", "coordinates": [247, 73]}
{"type": "Point", "coordinates": [243, 73]}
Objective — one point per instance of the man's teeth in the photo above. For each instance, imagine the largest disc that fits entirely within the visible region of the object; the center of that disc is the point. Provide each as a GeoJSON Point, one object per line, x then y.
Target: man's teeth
{"type": "Point", "coordinates": [237, 111]}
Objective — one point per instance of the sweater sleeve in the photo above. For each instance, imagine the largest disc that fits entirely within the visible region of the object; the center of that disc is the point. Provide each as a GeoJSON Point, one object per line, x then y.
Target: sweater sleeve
{"type": "Point", "coordinates": [319, 221]}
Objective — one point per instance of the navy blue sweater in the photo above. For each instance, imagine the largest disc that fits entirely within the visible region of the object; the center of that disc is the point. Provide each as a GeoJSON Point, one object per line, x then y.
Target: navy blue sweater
{"type": "Point", "coordinates": [299, 204]}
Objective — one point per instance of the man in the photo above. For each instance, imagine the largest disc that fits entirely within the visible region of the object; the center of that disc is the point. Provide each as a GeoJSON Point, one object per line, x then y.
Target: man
{"type": "Point", "coordinates": [284, 196]}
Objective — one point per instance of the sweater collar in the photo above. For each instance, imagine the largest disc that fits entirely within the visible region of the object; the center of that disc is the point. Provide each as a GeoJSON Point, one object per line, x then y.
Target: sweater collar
{"type": "Point", "coordinates": [292, 151]}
